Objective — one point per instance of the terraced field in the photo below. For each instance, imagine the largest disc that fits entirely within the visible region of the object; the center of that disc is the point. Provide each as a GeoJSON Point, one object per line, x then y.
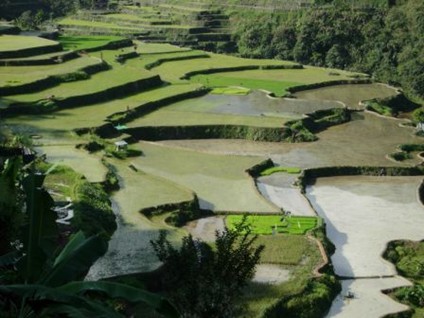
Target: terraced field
{"type": "Point", "coordinates": [161, 86]}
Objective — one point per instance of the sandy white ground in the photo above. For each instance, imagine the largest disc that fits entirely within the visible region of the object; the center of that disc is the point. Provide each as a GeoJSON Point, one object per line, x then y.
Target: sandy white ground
{"type": "Point", "coordinates": [363, 214]}
{"type": "Point", "coordinates": [271, 274]}
{"type": "Point", "coordinates": [278, 189]}
{"type": "Point", "coordinates": [368, 299]}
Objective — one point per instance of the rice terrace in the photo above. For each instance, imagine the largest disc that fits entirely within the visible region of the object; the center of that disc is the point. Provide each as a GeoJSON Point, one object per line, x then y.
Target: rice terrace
{"type": "Point", "coordinates": [126, 126]}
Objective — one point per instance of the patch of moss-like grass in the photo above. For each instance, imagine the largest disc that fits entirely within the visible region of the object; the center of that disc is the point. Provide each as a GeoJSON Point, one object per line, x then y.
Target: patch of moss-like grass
{"type": "Point", "coordinates": [270, 224]}
{"type": "Point", "coordinates": [284, 249]}
{"type": "Point", "coordinates": [379, 108]}
{"type": "Point", "coordinates": [230, 90]}
{"type": "Point", "coordinates": [269, 171]}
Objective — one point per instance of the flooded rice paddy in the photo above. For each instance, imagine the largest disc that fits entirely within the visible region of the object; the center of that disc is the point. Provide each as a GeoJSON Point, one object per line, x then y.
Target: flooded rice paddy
{"type": "Point", "coordinates": [171, 171]}
{"type": "Point", "coordinates": [254, 104]}
{"type": "Point", "coordinates": [350, 95]}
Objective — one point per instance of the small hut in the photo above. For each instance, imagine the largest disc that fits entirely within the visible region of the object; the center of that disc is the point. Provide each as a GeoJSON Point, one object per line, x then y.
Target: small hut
{"type": "Point", "coordinates": [121, 145]}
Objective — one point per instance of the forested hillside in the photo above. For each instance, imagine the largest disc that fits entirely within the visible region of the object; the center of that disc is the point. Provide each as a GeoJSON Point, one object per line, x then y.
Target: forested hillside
{"type": "Point", "coordinates": [388, 43]}
{"type": "Point", "coordinates": [381, 37]}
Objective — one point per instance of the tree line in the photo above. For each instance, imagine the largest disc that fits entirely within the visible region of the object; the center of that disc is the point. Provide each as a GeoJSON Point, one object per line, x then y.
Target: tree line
{"type": "Point", "coordinates": [386, 42]}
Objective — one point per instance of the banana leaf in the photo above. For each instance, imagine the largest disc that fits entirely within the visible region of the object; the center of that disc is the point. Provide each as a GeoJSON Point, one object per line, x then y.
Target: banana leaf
{"type": "Point", "coordinates": [75, 260]}
{"type": "Point", "coordinates": [40, 236]}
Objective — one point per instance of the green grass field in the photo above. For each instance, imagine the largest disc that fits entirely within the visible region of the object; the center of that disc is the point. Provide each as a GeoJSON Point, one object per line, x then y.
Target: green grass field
{"type": "Point", "coordinates": [175, 70]}
{"type": "Point", "coordinates": [15, 42]}
{"type": "Point", "coordinates": [17, 75]}
{"type": "Point", "coordinates": [275, 81]}
{"type": "Point", "coordinates": [118, 75]}
{"type": "Point", "coordinates": [166, 117]}
{"type": "Point", "coordinates": [220, 181]}
{"type": "Point", "coordinates": [268, 224]}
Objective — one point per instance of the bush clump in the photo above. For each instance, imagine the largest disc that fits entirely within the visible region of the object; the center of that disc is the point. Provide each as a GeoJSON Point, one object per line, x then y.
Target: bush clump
{"type": "Point", "coordinates": [93, 212]}
{"type": "Point", "coordinates": [312, 302]}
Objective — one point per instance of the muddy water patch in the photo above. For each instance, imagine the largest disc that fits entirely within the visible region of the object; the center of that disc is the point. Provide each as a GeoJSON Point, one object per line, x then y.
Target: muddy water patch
{"type": "Point", "coordinates": [350, 94]}
{"type": "Point", "coordinates": [253, 104]}
{"type": "Point", "coordinates": [365, 139]}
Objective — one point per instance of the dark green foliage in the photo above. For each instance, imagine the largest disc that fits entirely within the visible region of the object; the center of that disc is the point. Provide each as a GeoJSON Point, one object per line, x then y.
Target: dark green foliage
{"type": "Point", "coordinates": [408, 257]}
{"type": "Point", "coordinates": [309, 175]}
{"type": "Point", "coordinates": [11, 203]}
{"type": "Point", "coordinates": [93, 146]}
{"type": "Point", "coordinates": [418, 115]}
{"type": "Point", "coordinates": [182, 212]}
{"type": "Point", "coordinates": [203, 281]}
{"type": "Point", "coordinates": [208, 131]}
{"type": "Point", "coordinates": [400, 156]}
{"type": "Point", "coordinates": [387, 42]}
{"type": "Point", "coordinates": [312, 302]}
{"type": "Point", "coordinates": [412, 147]}
{"type": "Point", "coordinates": [93, 212]}
{"type": "Point", "coordinates": [411, 295]}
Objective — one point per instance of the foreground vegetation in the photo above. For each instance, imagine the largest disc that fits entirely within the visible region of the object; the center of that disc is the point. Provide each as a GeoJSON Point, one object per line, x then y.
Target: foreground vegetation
{"type": "Point", "coordinates": [408, 257]}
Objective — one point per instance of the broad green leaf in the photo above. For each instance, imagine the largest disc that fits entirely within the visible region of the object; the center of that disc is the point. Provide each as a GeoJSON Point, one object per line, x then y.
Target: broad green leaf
{"type": "Point", "coordinates": [41, 232]}
{"type": "Point", "coordinates": [129, 293]}
{"type": "Point", "coordinates": [75, 260]}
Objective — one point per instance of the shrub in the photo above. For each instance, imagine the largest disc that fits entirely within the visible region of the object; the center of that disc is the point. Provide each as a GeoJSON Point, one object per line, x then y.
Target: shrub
{"type": "Point", "coordinates": [400, 156]}
{"type": "Point", "coordinates": [93, 212]}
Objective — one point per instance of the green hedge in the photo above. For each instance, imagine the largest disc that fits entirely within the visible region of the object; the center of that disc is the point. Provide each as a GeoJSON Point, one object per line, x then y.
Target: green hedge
{"type": "Point", "coordinates": [208, 132]}
{"type": "Point", "coordinates": [238, 68]}
{"type": "Point", "coordinates": [182, 212]}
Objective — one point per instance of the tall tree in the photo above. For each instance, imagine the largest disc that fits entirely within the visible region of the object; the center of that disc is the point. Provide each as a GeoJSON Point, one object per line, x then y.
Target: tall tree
{"type": "Point", "coordinates": [203, 281]}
